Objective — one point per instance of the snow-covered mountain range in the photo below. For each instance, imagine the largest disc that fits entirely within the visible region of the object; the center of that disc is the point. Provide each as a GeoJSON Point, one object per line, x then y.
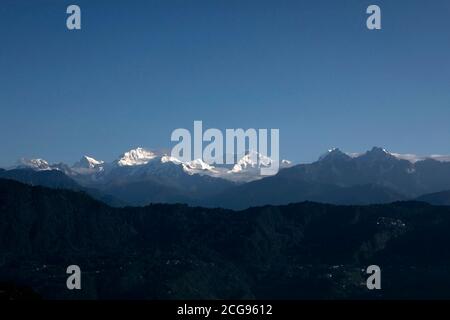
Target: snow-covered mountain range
{"type": "Point", "coordinates": [141, 176]}
{"type": "Point", "coordinates": [246, 169]}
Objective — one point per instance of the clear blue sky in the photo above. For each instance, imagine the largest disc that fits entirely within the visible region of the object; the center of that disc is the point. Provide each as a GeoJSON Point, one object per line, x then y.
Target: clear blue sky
{"type": "Point", "coordinates": [139, 69]}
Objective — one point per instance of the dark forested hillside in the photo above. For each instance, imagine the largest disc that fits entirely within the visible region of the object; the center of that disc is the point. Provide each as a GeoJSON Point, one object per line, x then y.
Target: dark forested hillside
{"type": "Point", "coordinates": [305, 250]}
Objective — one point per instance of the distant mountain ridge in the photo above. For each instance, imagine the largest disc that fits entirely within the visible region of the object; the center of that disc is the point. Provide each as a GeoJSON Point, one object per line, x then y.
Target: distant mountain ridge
{"type": "Point", "coordinates": [376, 176]}
{"type": "Point", "coordinates": [140, 177]}
{"type": "Point", "coordinates": [439, 198]}
{"type": "Point", "coordinates": [56, 179]}
{"type": "Point", "coordinates": [47, 178]}
{"type": "Point", "coordinates": [377, 167]}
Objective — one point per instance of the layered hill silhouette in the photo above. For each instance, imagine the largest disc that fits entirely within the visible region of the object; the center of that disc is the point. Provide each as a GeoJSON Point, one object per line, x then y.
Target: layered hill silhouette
{"type": "Point", "coordinates": [373, 177]}
{"type": "Point", "coordinates": [56, 179]}
{"type": "Point", "coordinates": [438, 198]}
{"type": "Point", "coordinates": [305, 250]}
{"type": "Point", "coordinates": [52, 178]}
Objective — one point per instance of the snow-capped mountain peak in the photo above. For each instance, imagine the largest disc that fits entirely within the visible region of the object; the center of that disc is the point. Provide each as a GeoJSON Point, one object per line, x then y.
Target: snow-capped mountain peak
{"type": "Point", "coordinates": [35, 164]}
{"type": "Point", "coordinates": [165, 158]}
{"type": "Point", "coordinates": [136, 157]}
{"type": "Point", "coordinates": [374, 152]}
{"type": "Point", "coordinates": [252, 160]}
{"type": "Point", "coordinates": [88, 163]}
{"type": "Point", "coordinates": [333, 153]}
{"type": "Point", "coordinates": [197, 164]}
{"type": "Point", "coordinates": [378, 151]}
